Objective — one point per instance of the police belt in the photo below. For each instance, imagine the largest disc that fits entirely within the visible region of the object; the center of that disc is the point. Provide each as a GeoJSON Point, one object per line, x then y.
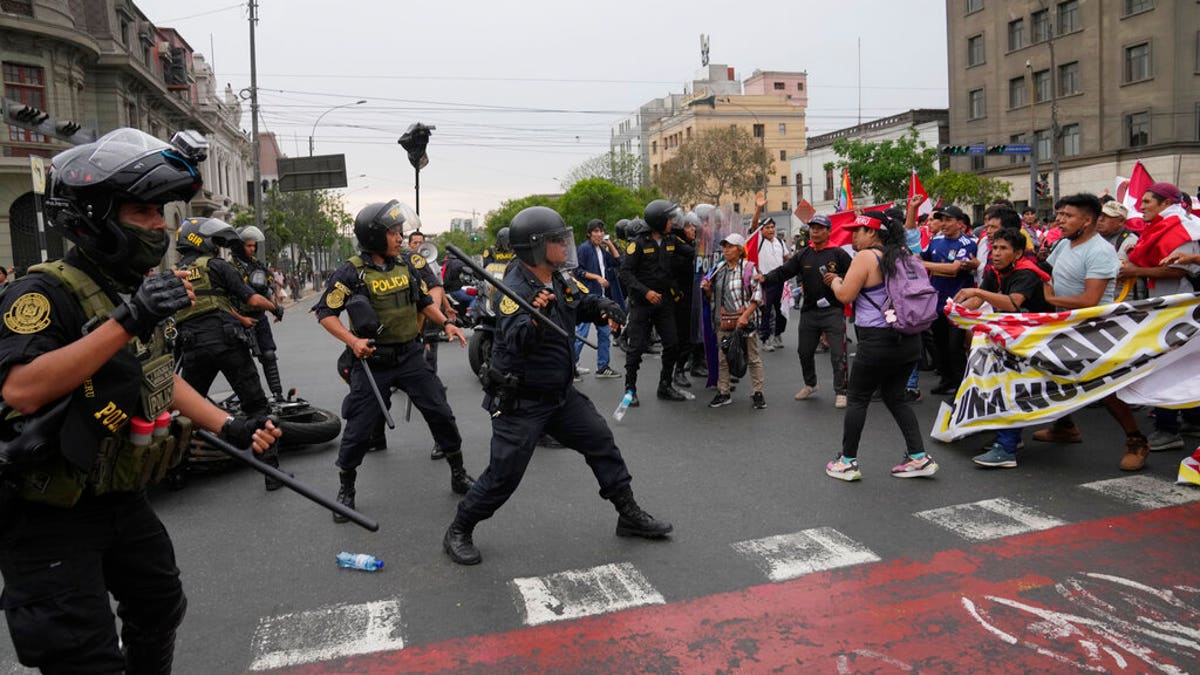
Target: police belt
{"type": "Point", "coordinates": [392, 352]}
{"type": "Point", "coordinates": [540, 395]}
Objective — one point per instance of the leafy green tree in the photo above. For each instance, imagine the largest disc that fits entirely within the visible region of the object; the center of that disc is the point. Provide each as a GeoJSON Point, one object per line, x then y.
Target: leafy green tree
{"type": "Point", "coordinates": [959, 187]}
{"type": "Point", "coordinates": [716, 163]}
{"type": "Point", "coordinates": [597, 198]}
{"type": "Point", "coordinates": [619, 167]}
{"type": "Point", "coordinates": [880, 170]}
{"type": "Point", "coordinates": [502, 216]}
{"type": "Point", "coordinates": [472, 244]}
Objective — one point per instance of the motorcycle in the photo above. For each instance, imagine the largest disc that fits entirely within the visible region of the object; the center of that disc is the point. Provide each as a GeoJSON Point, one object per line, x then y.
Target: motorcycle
{"type": "Point", "coordinates": [483, 324]}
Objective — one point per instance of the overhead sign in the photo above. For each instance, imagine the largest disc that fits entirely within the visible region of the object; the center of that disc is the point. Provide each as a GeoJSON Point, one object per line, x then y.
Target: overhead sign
{"type": "Point", "coordinates": [37, 171]}
{"type": "Point", "coordinates": [311, 173]}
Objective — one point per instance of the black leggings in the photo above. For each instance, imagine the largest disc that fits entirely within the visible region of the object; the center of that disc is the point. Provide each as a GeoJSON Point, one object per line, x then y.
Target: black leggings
{"type": "Point", "coordinates": [883, 362]}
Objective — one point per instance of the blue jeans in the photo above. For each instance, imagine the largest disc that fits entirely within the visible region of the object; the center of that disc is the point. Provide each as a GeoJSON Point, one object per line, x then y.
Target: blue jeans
{"type": "Point", "coordinates": [1008, 439]}
{"type": "Point", "coordinates": [602, 343]}
{"type": "Point", "coordinates": [915, 378]}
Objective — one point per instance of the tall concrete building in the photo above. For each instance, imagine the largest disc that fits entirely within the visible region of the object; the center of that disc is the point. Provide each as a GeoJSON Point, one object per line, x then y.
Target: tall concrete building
{"type": "Point", "coordinates": [1120, 77]}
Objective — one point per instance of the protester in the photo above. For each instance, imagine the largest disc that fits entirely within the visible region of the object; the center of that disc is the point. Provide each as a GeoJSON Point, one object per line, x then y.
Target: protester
{"type": "Point", "coordinates": [772, 253]}
{"type": "Point", "coordinates": [597, 256]}
{"type": "Point", "coordinates": [885, 357]}
{"type": "Point", "coordinates": [1012, 283]}
{"type": "Point", "coordinates": [736, 296]}
{"type": "Point", "coordinates": [822, 314]}
{"type": "Point", "coordinates": [687, 309]}
{"type": "Point", "coordinates": [951, 260]}
{"type": "Point", "coordinates": [1085, 271]}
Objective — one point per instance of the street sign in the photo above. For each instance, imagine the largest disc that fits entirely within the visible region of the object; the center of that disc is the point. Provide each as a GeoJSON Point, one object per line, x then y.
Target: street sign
{"type": "Point", "coordinates": [311, 173]}
{"type": "Point", "coordinates": [981, 149]}
{"type": "Point", "coordinates": [1017, 149]}
{"type": "Point", "coordinates": [37, 171]}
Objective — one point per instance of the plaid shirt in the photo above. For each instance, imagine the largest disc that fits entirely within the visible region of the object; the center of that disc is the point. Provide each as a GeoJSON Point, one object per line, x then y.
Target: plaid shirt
{"type": "Point", "coordinates": [734, 287]}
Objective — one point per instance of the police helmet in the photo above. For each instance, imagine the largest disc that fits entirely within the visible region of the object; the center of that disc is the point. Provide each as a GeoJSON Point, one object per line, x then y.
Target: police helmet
{"type": "Point", "coordinates": [621, 229]}
{"type": "Point", "coordinates": [205, 236]}
{"type": "Point", "coordinates": [691, 218]}
{"type": "Point", "coordinates": [372, 223]}
{"type": "Point", "coordinates": [532, 228]}
{"type": "Point", "coordinates": [502, 241]}
{"type": "Point", "coordinates": [637, 227]}
{"type": "Point", "coordinates": [251, 233]}
{"type": "Point", "coordinates": [88, 183]}
{"type": "Point", "coordinates": [659, 214]}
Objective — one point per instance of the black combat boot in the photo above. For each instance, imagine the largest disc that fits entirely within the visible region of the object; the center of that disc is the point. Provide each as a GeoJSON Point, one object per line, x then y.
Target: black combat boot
{"type": "Point", "coordinates": [458, 543]}
{"type": "Point", "coordinates": [345, 495]}
{"type": "Point", "coordinates": [271, 371]}
{"type": "Point", "coordinates": [633, 521]}
{"type": "Point", "coordinates": [460, 480]}
{"type": "Point", "coordinates": [667, 392]}
{"type": "Point", "coordinates": [437, 453]}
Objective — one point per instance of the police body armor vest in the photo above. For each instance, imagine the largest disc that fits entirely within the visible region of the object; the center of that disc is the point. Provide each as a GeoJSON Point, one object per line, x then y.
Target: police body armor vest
{"type": "Point", "coordinates": [392, 295]}
{"type": "Point", "coordinates": [258, 279]}
{"type": "Point", "coordinates": [208, 297]}
{"type": "Point", "coordinates": [119, 464]}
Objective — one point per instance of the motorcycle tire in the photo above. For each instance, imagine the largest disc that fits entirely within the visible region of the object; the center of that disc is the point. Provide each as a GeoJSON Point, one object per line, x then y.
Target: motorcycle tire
{"type": "Point", "coordinates": [312, 427]}
{"type": "Point", "coordinates": [479, 351]}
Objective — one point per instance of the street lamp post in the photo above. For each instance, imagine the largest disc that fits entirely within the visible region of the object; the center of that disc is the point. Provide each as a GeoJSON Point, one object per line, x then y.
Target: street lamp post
{"type": "Point", "coordinates": [322, 116]}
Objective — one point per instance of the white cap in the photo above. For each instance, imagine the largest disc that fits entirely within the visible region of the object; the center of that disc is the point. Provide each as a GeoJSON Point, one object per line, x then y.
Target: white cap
{"type": "Point", "coordinates": [734, 239]}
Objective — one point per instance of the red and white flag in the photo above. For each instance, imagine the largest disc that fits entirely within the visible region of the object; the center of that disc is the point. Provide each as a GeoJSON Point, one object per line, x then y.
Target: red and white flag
{"type": "Point", "coordinates": [1130, 190]}
{"type": "Point", "coordinates": [915, 188]}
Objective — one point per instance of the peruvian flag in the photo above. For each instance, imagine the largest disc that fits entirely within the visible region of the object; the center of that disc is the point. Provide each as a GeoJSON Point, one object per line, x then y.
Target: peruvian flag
{"type": "Point", "coordinates": [915, 188]}
{"type": "Point", "coordinates": [752, 244]}
{"type": "Point", "coordinates": [839, 235]}
{"type": "Point", "coordinates": [1130, 190]}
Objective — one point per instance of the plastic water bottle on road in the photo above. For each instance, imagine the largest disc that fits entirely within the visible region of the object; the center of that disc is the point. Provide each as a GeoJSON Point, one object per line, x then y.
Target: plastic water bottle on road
{"type": "Point", "coordinates": [359, 561]}
{"type": "Point", "coordinates": [623, 406]}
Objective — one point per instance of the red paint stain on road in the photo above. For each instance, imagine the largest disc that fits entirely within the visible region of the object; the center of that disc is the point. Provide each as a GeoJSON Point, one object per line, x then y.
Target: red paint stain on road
{"type": "Point", "coordinates": [1102, 596]}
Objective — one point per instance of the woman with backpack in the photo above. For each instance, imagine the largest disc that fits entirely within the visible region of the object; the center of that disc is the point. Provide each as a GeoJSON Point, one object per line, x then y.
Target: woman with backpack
{"type": "Point", "coordinates": [887, 349]}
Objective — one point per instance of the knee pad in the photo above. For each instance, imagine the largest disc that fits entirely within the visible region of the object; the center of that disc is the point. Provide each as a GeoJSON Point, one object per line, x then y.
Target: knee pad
{"type": "Point", "coordinates": [268, 356]}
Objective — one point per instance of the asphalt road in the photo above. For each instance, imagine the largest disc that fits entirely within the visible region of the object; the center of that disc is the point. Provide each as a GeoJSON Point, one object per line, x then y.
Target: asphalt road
{"type": "Point", "coordinates": [259, 567]}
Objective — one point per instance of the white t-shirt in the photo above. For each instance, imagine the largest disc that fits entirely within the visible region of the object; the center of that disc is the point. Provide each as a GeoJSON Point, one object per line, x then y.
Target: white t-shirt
{"type": "Point", "coordinates": [1073, 265]}
{"type": "Point", "coordinates": [770, 253]}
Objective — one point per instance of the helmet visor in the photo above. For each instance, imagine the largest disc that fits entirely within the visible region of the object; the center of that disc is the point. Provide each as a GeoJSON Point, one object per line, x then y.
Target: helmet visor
{"type": "Point", "coordinates": [565, 237]}
{"type": "Point", "coordinates": [96, 162]}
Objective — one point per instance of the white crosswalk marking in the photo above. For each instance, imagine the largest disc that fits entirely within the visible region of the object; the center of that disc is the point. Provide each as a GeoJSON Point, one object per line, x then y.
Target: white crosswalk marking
{"type": "Point", "coordinates": [1146, 492]}
{"type": "Point", "coordinates": [327, 633]}
{"type": "Point", "coordinates": [576, 593]}
{"type": "Point", "coordinates": [787, 556]}
{"type": "Point", "coordinates": [989, 519]}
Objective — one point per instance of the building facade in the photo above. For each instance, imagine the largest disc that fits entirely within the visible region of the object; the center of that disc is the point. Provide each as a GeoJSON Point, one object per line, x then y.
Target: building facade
{"type": "Point", "coordinates": [101, 64]}
{"type": "Point", "coordinates": [1121, 78]}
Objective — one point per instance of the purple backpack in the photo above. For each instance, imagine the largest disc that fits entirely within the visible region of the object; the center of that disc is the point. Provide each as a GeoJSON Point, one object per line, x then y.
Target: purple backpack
{"type": "Point", "coordinates": [912, 302]}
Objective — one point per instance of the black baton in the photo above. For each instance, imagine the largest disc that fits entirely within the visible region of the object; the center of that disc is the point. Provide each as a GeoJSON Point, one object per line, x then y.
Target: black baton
{"type": "Point", "coordinates": [387, 415]}
{"type": "Point", "coordinates": [521, 302]}
{"type": "Point", "coordinates": [247, 458]}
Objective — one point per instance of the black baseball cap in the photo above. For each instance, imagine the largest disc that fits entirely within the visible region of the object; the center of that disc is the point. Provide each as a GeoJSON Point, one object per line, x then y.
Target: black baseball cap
{"type": "Point", "coordinates": [954, 212]}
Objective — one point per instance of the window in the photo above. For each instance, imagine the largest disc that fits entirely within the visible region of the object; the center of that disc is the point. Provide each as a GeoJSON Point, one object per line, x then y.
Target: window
{"type": "Point", "coordinates": [975, 109]}
{"type": "Point", "coordinates": [829, 184]}
{"type": "Point", "coordinates": [1137, 63]}
{"type": "Point", "coordinates": [1043, 139]}
{"type": "Point", "coordinates": [1068, 17]}
{"type": "Point", "coordinates": [978, 162]}
{"type": "Point", "coordinates": [131, 115]}
{"type": "Point", "coordinates": [760, 130]}
{"type": "Point", "coordinates": [800, 186]}
{"type": "Point", "coordinates": [688, 133]}
{"type": "Point", "coordinates": [974, 5]}
{"type": "Point", "coordinates": [783, 179]}
{"type": "Point", "coordinates": [783, 155]}
{"type": "Point", "coordinates": [785, 206]}
{"type": "Point", "coordinates": [124, 30]}
{"type": "Point", "coordinates": [1070, 140]}
{"type": "Point", "coordinates": [975, 50]}
{"type": "Point", "coordinates": [737, 207]}
{"type": "Point", "coordinates": [1138, 6]}
{"type": "Point", "coordinates": [654, 147]}
{"type": "Point", "coordinates": [1041, 25]}
{"type": "Point", "coordinates": [1018, 92]}
{"type": "Point", "coordinates": [1017, 139]}
{"type": "Point", "coordinates": [1068, 79]}
{"type": "Point", "coordinates": [1137, 128]}
{"type": "Point", "coordinates": [1016, 34]}
{"type": "Point", "coordinates": [799, 86]}
{"type": "Point", "coordinates": [780, 86]}
{"type": "Point", "coordinates": [782, 129]}
{"type": "Point", "coordinates": [20, 7]}
{"type": "Point", "coordinates": [1041, 86]}
{"type": "Point", "coordinates": [27, 85]}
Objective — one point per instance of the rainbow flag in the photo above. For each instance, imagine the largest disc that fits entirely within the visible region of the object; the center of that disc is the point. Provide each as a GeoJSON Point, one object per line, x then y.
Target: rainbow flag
{"type": "Point", "coordinates": [845, 200]}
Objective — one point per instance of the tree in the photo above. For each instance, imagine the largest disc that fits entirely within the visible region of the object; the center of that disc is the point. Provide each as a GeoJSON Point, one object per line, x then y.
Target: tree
{"type": "Point", "coordinates": [718, 162]}
{"type": "Point", "coordinates": [596, 198]}
{"type": "Point", "coordinates": [471, 243]}
{"type": "Point", "coordinates": [308, 223]}
{"type": "Point", "coordinates": [958, 187]}
{"type": "Point", "coordinates": [879, 171]}
{"type": "Point", "coordinates": [503, 214]}
{"type": "Point", "coordinates": [618, 167]}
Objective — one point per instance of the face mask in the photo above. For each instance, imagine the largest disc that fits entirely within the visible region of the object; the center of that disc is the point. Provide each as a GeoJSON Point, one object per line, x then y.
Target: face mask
{"type": "Point", "coordinates": [146, 247]}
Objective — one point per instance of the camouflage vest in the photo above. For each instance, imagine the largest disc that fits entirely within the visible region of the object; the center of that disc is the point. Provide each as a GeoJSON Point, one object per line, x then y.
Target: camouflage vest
{"type": "Point", "coordinates": [208, 297]}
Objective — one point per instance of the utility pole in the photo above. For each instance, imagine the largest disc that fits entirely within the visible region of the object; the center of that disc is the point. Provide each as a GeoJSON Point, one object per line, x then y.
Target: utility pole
{"type": "Point", "coordinates": [258, 209]}
{"type": "Point", "coordinates": [1055, 131]}
{"type": "Point", "coordinates": [1033, 156]}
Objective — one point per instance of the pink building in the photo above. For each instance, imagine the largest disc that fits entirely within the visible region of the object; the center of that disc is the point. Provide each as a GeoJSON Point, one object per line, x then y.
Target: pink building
{"type": "Point", "coordinates": [794, 85]}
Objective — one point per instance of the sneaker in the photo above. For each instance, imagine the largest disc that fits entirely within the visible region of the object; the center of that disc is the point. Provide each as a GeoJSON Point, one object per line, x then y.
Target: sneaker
{"type": "Point", "coordinates": [720, 400]}
{"type": "Point", "coordinates": [607, 373]}
{"type": "Point", "coordinates": [777, 341]}
{"type": "Point", "coordinates": [843, 469]}
{"type": "Point", "coordinates": [996, 456]}
{"type": "Point", "coordinates": [1136, 452]}
{"type": "Point", "coordinates": [1164, 440]}
{"type": "Point", "coordinates": [915, 468]}
{"type": "Point", "coordinates": [759, 402]}
{"type": "Point", "coordinates": [912, 395]}
{"type": "Point", "coordinates": [806, 392]}
{"type": "Point", "coordinates": [1056, 434]}
{"type": "Point", "coordinates": [768, 346]}
{"type": "Point", "coordinates": [988, 446]}
{"type": "Point", "coordinates": [839, 401]}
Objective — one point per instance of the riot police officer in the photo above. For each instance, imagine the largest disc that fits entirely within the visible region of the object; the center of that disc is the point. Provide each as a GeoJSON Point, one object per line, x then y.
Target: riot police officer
{"type": "Point", "coordinates": [383, 294]}
{"type": "Point", "coordinates": [530, 391]}
{"type": "Point", "coordinates": [85, 360]}
{"type": "Point", "coordinates": [259, 278]}
{"type": "Point", "coordinates": [212, 337]}
{"type": "Point", "coordinates": [687, 310]}
{"type": "Point", "coordinates": [648, 277]}
{"type": "Point", "coordinates": [501, 254]}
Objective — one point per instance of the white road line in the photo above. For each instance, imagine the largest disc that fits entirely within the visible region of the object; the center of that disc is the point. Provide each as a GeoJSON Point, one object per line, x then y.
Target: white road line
{"type": "Point", "coordinates": [1146, 492]}
{"type": "Point", "coordinates": [989, 519]}
{"type": "Point", "coordinates": [577, 593]}
{"type": "Point", "coordinates": [327, 633]}
{"type": "Point", "coordinates": [787, 556]}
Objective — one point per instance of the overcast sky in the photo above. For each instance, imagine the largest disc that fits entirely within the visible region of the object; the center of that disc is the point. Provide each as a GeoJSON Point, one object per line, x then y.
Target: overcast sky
{"type": "Point", "coordinates": [522, 91]}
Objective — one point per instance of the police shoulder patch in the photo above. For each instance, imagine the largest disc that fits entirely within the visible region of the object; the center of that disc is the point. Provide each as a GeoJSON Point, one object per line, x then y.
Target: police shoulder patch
{"type": "Point", "coordinates": [508, 306]}
{"type": "Point", "coordinates": [335, 298]}
{"type": "Point", "coordinates": [631, 249]}
{"type": "Point", "coordinates": [417, 261]}
{"type": "Point", "coordinates": [29, 314]}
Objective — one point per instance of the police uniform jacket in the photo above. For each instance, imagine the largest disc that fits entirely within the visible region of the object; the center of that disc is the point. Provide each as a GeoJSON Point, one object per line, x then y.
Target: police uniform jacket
{"type": "Point", "coordinates": [247, 268]}
{"type": "Point", "coordinates": [683, 264]}
{"type": "Point", "coordinates": [649, 265]}
{"type": "Point", "coordinates": [216, 326]}
{"type": "Point", "coordinates": [541, 360]}
{"type": "Point", "coordinates": [347, 280]}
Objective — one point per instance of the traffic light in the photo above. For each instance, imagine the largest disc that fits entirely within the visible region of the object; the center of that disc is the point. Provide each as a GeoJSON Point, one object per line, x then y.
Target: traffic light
{"type": "Point", "coordinates": [996, 149]}
{"type": "Point", "coordinates": [41, 122]}
{"type": "Point", "coordinates": [1043, 187]}
{"type": "Point", "coordinates": [954, 149]}
{"type": "Point", "coordinates": [30, 115]}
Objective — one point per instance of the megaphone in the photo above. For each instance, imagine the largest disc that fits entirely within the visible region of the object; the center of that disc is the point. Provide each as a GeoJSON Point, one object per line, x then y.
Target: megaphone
{"type": "Point", "coordinates": [428, 251]}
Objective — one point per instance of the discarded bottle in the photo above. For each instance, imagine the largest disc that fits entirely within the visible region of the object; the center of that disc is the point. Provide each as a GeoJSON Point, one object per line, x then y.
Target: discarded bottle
{"type": "Point", "coordinates": [687, 394]}
{"type": "Point", "coordinates": [619, 413]}
{"type": "Point", "coordinates": [359, 561]}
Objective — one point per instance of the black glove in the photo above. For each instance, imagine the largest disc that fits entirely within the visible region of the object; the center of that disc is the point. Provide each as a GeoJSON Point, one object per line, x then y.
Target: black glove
{"type": "Point", "coordinates": [278, 312]}
{"type": "Point", "coordinates": [609, 309]}
{"type": "Point", "coordinates": [239, 431]}
{"type": "Point", "coordinates": [157, 299]}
